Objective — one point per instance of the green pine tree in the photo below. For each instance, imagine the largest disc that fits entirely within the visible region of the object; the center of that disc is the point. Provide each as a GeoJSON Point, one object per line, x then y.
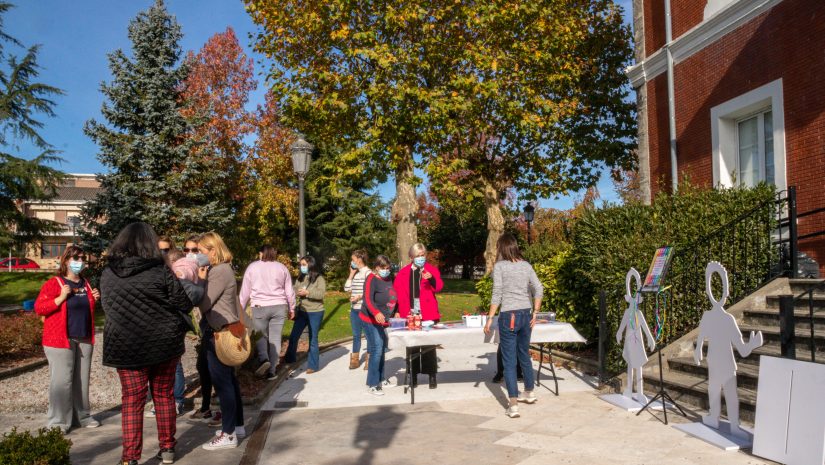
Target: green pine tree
{"type": "Point", "coordinates": [155, 173]}
{"type": "Point", "coordinates": [21, 99]}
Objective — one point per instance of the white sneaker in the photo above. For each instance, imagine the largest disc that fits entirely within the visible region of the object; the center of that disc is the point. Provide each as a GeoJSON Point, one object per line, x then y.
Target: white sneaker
{"type": "Point", "coordinates": [376, 391]}
{"type": "Point", "coordinates": [89, 423]}
{"type": "Point", "coordinates": [512, 411]}
{"type": "Point", "coordinates": [387, 384]}
{"type": "Point", "coordinates": [240, 432]}
{"type": "Point", "coordinates": [528, 397]}
{"type": "Point", "coordinates": [222, 441]}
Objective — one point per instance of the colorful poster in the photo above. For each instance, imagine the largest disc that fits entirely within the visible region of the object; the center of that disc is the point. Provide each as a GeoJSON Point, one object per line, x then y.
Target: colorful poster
{"type": "Point", "coordinates": [658, 269]}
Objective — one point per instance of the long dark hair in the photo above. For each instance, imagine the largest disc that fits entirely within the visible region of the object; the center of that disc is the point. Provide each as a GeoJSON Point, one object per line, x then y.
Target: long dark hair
{"type": "Point", "coordinates": [508, 249]}
{"type": "Point", "coordinates": [136, 240]}
{"type": "Point", "coordinates": [314, 272]}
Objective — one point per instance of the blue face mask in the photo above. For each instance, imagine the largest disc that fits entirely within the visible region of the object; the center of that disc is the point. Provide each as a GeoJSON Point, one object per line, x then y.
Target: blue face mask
{"type": "Point", "coordinates": [353, 265]}
{"type": "Point", "coordinates": [304, 269]}
{"type": "Point", "coordinates": [420, 261]}
{"type": "Point", "coordinates": [76, 266]}
{"type": "Point", "coordinates": [203, 259]}
{"type": "Point", "coordinates": [383, 273]}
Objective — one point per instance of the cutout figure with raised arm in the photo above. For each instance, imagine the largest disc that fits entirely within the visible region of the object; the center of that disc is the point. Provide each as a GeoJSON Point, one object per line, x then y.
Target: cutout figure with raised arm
{"type": "Point", "coordinates": [719, 328]}
{"type": "Point", "coordinates": [634, 325]}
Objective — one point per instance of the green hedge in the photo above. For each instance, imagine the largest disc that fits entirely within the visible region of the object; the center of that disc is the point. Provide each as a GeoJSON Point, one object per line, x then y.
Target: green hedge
{"type": "Point", "coordinates": [606, 242]}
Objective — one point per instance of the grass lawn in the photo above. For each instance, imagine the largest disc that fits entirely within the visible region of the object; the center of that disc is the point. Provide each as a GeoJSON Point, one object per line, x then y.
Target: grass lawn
{"type": "Point", "coordinates": [16, 287]}
{"type": "Point", "coordinates": [336, 317]}
{"type": "Point", "coordinates": [459, 286]}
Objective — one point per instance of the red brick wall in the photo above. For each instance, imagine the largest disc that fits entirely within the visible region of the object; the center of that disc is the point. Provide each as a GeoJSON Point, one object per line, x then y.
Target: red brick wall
{"type": "Point", "coordinates": [654, 25]}
{"type": "Point", "coordinates": [686, 14]}
{"type": "Point", "coordinates": [786, 42]}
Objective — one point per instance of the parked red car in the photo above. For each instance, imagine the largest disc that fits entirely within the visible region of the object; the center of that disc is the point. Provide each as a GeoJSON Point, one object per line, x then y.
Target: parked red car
{"type": "Point", "coordinates": [18, 264]}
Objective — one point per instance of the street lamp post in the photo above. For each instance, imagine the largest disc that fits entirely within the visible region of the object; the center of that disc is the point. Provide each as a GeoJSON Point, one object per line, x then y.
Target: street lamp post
{"type": "Point", "coordinates": [529, 211]}
{"type": "Point", "coordinates": [74, 222]}
{"type": "Point", "coordinates": [301, 158]}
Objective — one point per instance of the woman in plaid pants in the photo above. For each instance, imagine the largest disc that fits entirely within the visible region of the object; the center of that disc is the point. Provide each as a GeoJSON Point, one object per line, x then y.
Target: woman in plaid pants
{"type": "Point", "coordinates": [146, 320]}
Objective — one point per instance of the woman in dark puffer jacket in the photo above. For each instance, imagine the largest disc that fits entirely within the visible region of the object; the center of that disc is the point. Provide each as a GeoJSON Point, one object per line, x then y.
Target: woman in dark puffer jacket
{"type": "Point", "coordinates": [146, 311]}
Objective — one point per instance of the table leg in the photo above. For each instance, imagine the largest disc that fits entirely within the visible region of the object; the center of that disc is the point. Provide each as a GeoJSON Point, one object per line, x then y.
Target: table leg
{"type": "Point", "coordinates": [552, 368]}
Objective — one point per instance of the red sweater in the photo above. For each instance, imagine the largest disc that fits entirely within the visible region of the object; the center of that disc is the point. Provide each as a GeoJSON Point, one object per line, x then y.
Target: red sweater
{"type": "Point", "coordinates": [55, 324]}
{"type": "Point", "coordinates": [429, 304]}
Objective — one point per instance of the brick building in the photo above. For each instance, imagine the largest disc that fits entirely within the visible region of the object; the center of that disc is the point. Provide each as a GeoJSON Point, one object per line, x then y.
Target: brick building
{"type": "Point", "coordinates": [748, 98]}
{"type": "Point", "coordinates": [75, 191]}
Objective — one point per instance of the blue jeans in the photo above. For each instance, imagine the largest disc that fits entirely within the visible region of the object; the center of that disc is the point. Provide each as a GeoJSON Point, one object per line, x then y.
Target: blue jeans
{"type": "Point", "coordinates": [358, 327]}
{"type": "Point", "coordinates": [226, 385]}
{"type": "Point", "coordinates": [376, 343]}
{"type": "Point", "coordinates": [302, 320]}
{"type": "Point", "coordinates": [515, 349]}
{"type": "Point", "coordinates": [180, 384]}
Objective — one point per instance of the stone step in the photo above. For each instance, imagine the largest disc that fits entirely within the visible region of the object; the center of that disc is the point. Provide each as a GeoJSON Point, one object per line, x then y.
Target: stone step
{"type": "Point", "coordinates": [692, 391]}
{"type": "Point", "coordinates": [771, 335]}
{"type": "Point", "coordinates": [747, 375]}
{"type": "Point", "coordinates": [770, 318]}
{"type": "Point", "coordinates": [774, 350]}
{"type": "Point", "coordinates": [818, 301]}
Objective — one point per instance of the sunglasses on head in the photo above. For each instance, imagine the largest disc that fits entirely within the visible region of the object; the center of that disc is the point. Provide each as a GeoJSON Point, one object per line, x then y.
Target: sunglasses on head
{"type": "Point", "coordinates": [188, 250]}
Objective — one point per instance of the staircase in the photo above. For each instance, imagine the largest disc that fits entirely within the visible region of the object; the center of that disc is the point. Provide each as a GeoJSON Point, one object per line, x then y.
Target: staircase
{"type": "Point", "coordinates": [687, 383]}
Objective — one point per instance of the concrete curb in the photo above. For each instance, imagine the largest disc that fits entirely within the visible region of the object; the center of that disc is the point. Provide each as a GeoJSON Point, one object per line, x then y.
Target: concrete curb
{"type": "Point", "coordinates": [11, 372]}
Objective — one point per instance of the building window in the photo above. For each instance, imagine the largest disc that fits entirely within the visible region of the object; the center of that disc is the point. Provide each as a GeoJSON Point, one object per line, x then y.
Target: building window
{"type": "Point", "coordinates": [755, 162]}
{"type": "Point", "coordinates": [748, 139]}
{"type": "Point", "coordinates": [52, 250]}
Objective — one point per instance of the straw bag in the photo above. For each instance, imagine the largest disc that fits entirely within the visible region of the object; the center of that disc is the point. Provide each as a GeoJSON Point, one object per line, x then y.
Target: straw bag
{"type": "Point", "coordinates": [232, 344]}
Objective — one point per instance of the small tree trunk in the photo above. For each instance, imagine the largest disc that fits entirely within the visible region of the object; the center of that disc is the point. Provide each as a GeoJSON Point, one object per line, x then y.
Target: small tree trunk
{"type": "Point", "coordinates": [495, 225]}
{"type": "Point", "coordinates": [404, 211]}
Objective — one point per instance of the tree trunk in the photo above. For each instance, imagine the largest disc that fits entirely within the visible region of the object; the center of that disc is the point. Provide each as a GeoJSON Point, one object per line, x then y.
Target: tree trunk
{"type": "Point", "coordinates": [495, 225]}
{"type": "Point", "coordinates": [643, 150]}
{"type": "Point", "coordinates": [404, 211]}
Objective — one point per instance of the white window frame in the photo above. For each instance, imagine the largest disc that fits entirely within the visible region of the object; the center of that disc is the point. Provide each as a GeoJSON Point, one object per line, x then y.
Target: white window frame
{"type": "Point", "coordinates": [724, 132]}
{"type": "Point", "coordinates": [760, 144]}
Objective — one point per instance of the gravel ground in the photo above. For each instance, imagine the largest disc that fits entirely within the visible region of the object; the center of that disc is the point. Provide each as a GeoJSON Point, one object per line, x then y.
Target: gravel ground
{"type": "Point", "coordinates": [29, 392]}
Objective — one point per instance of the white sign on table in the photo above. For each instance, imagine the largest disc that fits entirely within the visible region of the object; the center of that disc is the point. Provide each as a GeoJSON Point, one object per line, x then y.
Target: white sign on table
{"type": "Point", "coordinates": [790, 411]}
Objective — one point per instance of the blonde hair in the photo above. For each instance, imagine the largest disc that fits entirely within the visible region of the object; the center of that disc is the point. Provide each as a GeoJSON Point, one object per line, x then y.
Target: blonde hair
{"type": "Point", "coordinates": [213, 241]}
{"type": "Point", "coordinates": [416, 249]}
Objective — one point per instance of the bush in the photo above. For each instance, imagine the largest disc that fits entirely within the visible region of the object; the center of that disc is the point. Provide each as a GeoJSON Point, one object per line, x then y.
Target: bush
{"type": "Point", "coordinates": [49, 447]}
{"type": "Point", "coordinates": [19, 332]}
{"type": "Point", "coordinates": [610, 240]}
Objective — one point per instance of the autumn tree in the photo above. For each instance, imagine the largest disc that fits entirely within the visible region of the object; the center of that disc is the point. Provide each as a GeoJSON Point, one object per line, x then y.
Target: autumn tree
{"type": "Point", "coordinates": [541, 109]}
{"type": "Point", "coordinates": [521, 94]}
{"type": "Point", "coordinates": [366, 78]}
{"type": "Point", "coordinates": [215, 93]}
{"type": "Point", "coordinates": [22, 99]}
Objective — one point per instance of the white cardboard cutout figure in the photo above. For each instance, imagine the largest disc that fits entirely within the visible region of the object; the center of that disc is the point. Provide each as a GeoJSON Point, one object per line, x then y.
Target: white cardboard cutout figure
{"type": "Point", "coordinates": [719, 328]}
{"type": "Point", "coordinates": [634, 325]}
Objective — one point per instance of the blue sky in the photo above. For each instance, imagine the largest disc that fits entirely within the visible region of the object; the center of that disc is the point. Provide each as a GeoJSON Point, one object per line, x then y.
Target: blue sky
{"type": "Point", "coordinates": [76, 37]}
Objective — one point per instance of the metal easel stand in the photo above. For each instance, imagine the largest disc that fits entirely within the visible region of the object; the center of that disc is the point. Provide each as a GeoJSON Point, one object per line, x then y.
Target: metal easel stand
{"type": "Point", "coordinates": [550, 367]}
{"type": "Point", "coordinates": [662, 395]}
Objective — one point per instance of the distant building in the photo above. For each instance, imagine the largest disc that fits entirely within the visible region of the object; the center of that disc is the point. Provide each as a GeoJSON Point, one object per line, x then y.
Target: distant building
{"type": "Point", "coordinates": [735, 95]}
{"type": "Point", "coordinates": [75, 191]}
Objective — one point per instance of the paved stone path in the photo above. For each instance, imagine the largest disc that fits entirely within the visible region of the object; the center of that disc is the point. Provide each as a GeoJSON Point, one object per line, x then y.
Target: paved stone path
{"type": "Point", "coordinates": [327, 418]}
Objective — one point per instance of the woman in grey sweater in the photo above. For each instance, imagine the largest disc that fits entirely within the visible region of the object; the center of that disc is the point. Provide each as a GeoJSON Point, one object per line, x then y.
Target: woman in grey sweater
{"type": "Point", "coordinates": [516, 290]}
{"type": "Point", "coordinates": [220, 307]}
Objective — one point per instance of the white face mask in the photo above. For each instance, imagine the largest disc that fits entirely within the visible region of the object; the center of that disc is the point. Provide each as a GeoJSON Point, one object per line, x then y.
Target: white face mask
{"type": "Point", "coordinates": [191, 255]}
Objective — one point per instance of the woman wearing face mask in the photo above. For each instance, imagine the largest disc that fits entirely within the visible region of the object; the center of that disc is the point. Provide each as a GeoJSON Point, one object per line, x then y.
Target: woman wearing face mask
{"type": "Point", "coordinates": [67, 302]}
{"type": "Point", "coordinates": [358, 272]}
{"type": "Point", "coordinates": [310, 288]}
{"type": "Point", "coordinates": [416, 285]}
{"type": "Point", "coordinates": [379, 305]}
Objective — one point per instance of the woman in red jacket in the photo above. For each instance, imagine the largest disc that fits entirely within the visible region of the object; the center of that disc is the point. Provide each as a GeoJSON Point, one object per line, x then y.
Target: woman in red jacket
{"type": "Point", "coordinates": [416, 285]}
{"type": "Point", "coordinates": [67, 303]}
